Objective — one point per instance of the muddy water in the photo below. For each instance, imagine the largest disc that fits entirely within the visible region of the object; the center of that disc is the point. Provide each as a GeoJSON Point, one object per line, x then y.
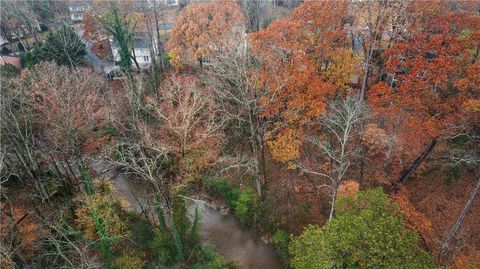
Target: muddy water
{"type": "Point", "coordinates": [236, 243]}
{"type": "Point", "coordinates": [233, 241]}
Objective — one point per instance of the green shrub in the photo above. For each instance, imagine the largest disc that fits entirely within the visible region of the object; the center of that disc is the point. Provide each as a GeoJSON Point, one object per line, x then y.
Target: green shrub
{"type": "Point", "coordinates": [208, 258]}
{"type": "Point", "coordinates": [31, 58]}
{"type": "Point", "coordinates": [130, 260]}
{"type": "Point", "coordinates": [107, 130]}
{"type": "Point", "coordinates": [244, 202]}
{"type": "Point", "coordinates": [167, 57]}
{"type": "Point", "coordinates": [9, 71]}
{"type": "Point", "coordinates": [141, 233]}
{"type": "Point", "coordinates": [281, 240]}
{"type": "Point", "coordinates": [452, 174]}
{"type": "Point", "coordinates": [163, 248]}
{"type": "Point", "coordinates": [246, 206]}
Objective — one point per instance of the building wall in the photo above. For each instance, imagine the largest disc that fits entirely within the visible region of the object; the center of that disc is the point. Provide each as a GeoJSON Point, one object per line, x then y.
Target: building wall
{"type": "Point", "coordinates": [76, 12]}
{"type": "Point", "coordinates": [142, 55]}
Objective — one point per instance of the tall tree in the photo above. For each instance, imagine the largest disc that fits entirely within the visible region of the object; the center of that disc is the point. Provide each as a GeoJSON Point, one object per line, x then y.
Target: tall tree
{"type": "Point", "coordinates": [304, 60]}
{"type": "Point", "coordinates": [120, 26]}
{"type": "Point", "coordinates": [235, 83]}
{"type": "Point", "coordinates": [192, 125]}
{"type": "Point", "coordinates": [68, 105]}
{"type": "Point", "coordinates": [198, 29]}
{"type": "Point", "coordinates": [255, 13]}
{"type": "Point", "coordinates": [422, 91]}
{"type": "Point", "coordinates": [374, 18]}
{"type": "Point", "coordinates": [332, 147]}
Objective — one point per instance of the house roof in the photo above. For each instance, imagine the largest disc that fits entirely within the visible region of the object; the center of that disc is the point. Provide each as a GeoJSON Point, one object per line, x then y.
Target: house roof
{"type": "Point", "coordinates": [138, 42]}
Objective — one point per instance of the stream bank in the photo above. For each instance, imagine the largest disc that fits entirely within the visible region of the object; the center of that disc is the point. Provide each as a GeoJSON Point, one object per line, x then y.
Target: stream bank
{"type": "Point", "coordinates": [236, 243]}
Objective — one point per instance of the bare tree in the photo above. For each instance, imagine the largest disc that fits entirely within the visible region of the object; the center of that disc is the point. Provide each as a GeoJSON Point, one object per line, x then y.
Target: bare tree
{"type": "Point", "coordinates": [333, 147]}
{"type": "Point", "coordinates": [374, 17]}
{"type": "Point", "coordinates": [67, 106]}
{"type": "Point", "coordinates": [62, 246]}
{"type": "Point", "coordinates": [20, 149]}
{"type": "Point", "coordinates": [144, 160]}
{"type": "Point", "coordinates": [233, 76]}
{"type": "Point", "coordinates": [255, 12]}
{"type": "Point", "coordinates": [26, 17]}
{"type": "Point", "coordinates": [189, 115]}
{"type": "Point", "coordinates": [456, 225]}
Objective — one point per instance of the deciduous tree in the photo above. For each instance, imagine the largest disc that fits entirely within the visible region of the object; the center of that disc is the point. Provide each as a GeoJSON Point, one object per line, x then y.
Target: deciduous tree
{"type": "Point", "coordinates": [235, 83]}
{"type": "Point", "coordinates": [304, 60]}
{"type": "Point", "coordinates": [199, 28]}
{"type": "Point", "coordinates": [332, 147]}
{"type": "Point", "coordinates": [422, 93]}
{"type": "Point", "coordinates": [367, 232]}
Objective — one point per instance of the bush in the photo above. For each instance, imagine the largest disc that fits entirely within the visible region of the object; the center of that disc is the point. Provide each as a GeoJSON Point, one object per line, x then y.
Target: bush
{"type": "Point", "coordinates": [6, 50]}
{"type": "Point", "coordinates": [141, 232]}
{"type": "Point", "coordinates": [8, 71]}
{"type": "Point", "coordinates": [281, 240]}
{"type": "Point", "coordinates": [246, 206]}
{"type": "Point", "coordinates": [367, 232]}
{"type": "Point", "coordinates": [107, 130]}
{"type": "Point", "coordinates": [163, 248]}
{"type": "Point", "coordinates": [222, 187]}
{"type": "Point", "coordinates": [208, 258]}
{"type": "Point", "coordinates": [31, 58]}
{"type": "Point", "coordinates": [130, 260]}
{"type": "Point", "coordinates": [244, 202]}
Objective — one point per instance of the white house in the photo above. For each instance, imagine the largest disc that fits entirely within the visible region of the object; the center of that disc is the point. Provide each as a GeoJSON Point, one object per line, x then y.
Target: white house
{"type": "Point", "coordinates": [77, 8]}
{"type": "Point", "coordinates": [141, 52]}
{"type": "Point", "coordinates": [172, 3]}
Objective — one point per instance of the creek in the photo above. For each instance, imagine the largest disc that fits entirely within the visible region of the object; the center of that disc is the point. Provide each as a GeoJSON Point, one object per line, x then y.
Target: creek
{"type": "Point", "coordinates": [233, 241]}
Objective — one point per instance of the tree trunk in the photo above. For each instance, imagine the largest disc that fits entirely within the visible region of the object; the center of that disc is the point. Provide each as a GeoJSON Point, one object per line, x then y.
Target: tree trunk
{"type": "Point", "coordinates": [159, 42]}
{"type": "Point", "coordinates": [134, 58]}
{"type": "Point", "coordinates": [366, 72]}
{"type": "Point", "coordinates": [407, 173]}
{"type": "Point", "coordinates": [460, 218]}
{"type": "Point", "coordinates": [334, 199]}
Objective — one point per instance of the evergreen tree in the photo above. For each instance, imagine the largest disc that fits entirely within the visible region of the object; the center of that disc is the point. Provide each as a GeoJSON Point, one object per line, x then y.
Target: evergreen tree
{"type": "Point", "coordinates": [64, 47]}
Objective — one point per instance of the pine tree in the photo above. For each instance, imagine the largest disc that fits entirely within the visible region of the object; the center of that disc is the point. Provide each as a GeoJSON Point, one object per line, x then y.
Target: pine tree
{"type": "Point", "coordinates": [64, 47]}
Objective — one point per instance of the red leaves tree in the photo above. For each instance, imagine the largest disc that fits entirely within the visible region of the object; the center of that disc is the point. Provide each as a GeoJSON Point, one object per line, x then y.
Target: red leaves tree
{"type": "Point", "coordinates": [422, 90]}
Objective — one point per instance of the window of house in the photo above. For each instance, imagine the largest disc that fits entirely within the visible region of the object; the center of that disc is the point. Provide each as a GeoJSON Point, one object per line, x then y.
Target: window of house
{"type": "Point", "coordinates": [145, 58]}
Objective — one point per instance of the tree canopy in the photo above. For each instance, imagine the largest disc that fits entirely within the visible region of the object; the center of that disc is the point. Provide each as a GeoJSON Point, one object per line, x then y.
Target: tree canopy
{"type": "Point", "coordinates": [200, 28]}
{"type": "Point", "coordinates": [368, 232]}
{"type": "Point", "coordinates": [64, 47]}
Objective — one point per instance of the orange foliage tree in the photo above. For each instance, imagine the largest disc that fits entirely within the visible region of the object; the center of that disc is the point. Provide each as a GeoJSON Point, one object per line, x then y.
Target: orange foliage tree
{"type": "Point", "coordinates": [305, 60]}
{"type": "Point", "coordinates": [199, 28]}
{"type": "Point", "coordinates": [427, 77]}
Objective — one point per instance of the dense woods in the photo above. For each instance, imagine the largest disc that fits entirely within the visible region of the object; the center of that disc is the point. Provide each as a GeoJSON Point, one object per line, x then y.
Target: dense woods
{"type": "Point", "coordinates": [340, 133]}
